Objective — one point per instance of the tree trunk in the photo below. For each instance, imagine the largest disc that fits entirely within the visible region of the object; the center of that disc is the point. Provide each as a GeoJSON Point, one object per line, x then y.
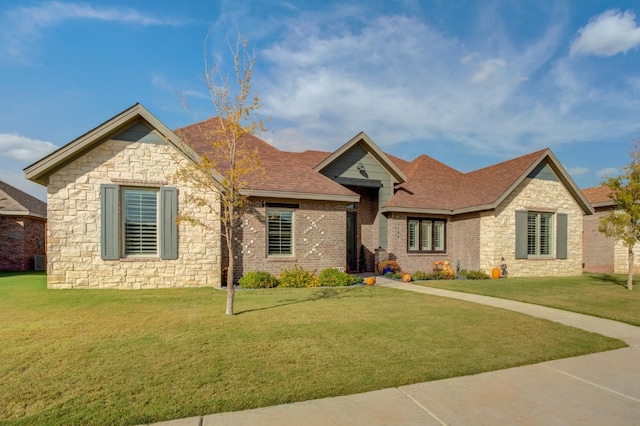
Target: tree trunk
{"type": "Point", "coordinates": [230, 289]}
{"type": "Point", "coordinates": [630, 276]}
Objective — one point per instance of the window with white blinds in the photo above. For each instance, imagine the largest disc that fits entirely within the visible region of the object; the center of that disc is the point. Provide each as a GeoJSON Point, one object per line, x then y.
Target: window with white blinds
{"type": "Point", "coordinates": [140, 222]}
{"type": "Point", "coordinates": [539, 233]}
{"type": "Point", "coordinates": [426, 235]}
{"type": "Point", "coordinates": [279, 232]}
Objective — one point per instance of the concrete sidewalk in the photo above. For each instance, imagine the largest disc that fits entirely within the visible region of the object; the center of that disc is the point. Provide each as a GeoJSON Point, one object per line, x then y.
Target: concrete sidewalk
{"type": "Point", "coordinates": [596, 389]}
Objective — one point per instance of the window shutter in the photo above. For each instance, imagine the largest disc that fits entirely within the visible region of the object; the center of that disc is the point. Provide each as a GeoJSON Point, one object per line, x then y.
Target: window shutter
{"type": "Point", "coordinates": [562, 236]}
{"type": "Point", "coordinates": [168, 225]}
{"type": "Point", "coordinates": [521, 234]}
{"type": "Point", "coordinates": [109, 223]}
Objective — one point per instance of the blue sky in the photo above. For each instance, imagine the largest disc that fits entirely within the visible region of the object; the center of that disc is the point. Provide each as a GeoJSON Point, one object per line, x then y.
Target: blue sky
{"type": "Point", "coordinates": [470, 83]}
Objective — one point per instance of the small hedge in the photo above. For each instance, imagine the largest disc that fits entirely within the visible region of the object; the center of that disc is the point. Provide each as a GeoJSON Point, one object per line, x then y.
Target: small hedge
{"type": "Point", "coordinates": [334, 278]}
{"type": "Point", "coordinates": [298, 278]}
{"type": "Point", "coordinates": [474, 275]}
{"type": "Point", "coordinates": [258, 279]}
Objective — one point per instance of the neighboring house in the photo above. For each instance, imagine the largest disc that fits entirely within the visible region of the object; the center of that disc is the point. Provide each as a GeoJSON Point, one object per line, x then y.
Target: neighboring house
{"type": "Point", "coordinates": [314, 210]}
{"type": "Point", "coordinates": [601, 253]}
{"type": "Point", "coordinates": [23, 220]}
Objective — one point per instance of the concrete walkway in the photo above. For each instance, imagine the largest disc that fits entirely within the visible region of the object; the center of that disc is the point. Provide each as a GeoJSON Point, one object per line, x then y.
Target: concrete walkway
{"type": "Point", "coordinates": [596, 389]}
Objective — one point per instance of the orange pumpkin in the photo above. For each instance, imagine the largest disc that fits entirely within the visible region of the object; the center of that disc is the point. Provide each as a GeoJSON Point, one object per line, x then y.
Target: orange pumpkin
{"type": "Point", "coordinates": [406, 278]}
{"type": "Point", "coordinates": [370, 280]}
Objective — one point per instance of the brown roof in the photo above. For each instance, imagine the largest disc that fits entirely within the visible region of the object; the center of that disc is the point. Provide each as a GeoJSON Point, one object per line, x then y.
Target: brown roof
{"type": "Point", "coordinates": [285, 171]}
{"type": "Point", "coordinates": [598, 195]}
{"type": "Point", "coordinates": [14, 202]}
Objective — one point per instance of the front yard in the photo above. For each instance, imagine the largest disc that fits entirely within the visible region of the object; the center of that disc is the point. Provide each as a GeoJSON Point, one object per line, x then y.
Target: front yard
{"type": "Point", "coordinates": [600, 295]}
{"type": "Point", "coordinates": [130, 357]}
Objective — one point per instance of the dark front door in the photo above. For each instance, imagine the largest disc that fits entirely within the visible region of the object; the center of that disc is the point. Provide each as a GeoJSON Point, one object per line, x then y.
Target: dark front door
{"type": "Point", "coordinates": [352, 252]}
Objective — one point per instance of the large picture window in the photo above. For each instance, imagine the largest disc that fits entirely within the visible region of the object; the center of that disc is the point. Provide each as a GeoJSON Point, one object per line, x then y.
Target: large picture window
{"type": "Point", "coordinates": [138, 222]}
{"type": "Point", "coordinates": [279, 232]}
{"type": "Point", "coordinates": [426, 235]}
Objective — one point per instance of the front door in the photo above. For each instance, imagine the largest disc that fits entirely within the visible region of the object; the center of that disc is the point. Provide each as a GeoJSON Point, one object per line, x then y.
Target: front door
{"type": "Point", "coordinates": [352, 252]}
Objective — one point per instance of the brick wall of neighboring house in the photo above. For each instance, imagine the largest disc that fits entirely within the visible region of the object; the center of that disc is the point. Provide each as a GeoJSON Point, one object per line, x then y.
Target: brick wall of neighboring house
{"type": "Point", "coordinates": [320, 238]}
{"type": "Point", "coordinates": [498, 231]}
{"type": "Point", "coordinates": [21, 238]}
{"type": "Point", "coordinates": [74, 259]}
{"type": "Point", "coordinates": [598, 250]}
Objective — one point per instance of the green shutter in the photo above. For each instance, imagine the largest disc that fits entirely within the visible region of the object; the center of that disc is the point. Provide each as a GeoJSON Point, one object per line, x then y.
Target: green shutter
{"type": "Point", "coordinates": [521, 234]}
{"type": "Point", "coordinates": [109, 223]}
{"type": "Point", "coordinates": [168, 225]}
{"type": "Point", "coordinates": [561, 236]}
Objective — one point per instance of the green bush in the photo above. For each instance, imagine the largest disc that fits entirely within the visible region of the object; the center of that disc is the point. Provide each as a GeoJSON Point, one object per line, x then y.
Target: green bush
{"type": "Point", "coordinates": [258, 279]}
{"type": "Point", "coordinates": [333, 278]}
{"type": "Point", "coordinates": [474, 275]}
{"type": "Point", "coordinates": [441, 275]}
{"type": "Point", "coordinates": [297, 277]}
{"type": "Point", "coordinates": [393, 275]}
{"type": "Point", "coordinates": [420, 276]}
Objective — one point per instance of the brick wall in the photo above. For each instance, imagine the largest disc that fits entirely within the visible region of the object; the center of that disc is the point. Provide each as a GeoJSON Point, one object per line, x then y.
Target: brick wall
{"type": "Point", "coordinates": [21, 238]}
{"type": "Point", "coordinates": [598, 255]}
{"type": "Point", "coordinates": [74, 223]}
{"type": "Point", "coordinates": [319, 242]}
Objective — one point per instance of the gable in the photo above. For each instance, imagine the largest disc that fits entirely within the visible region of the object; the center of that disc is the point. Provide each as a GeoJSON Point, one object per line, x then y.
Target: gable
{"type": "Point", "coordinates": [139, 132]}
{"type": "Point", "coordinates": [357, 167]}
{"type": "Point", "coordinates": [543, 172]}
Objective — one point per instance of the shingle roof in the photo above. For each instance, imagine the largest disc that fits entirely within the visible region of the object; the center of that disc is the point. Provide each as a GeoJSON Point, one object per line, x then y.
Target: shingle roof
{"type": "Point", "coordinates": [13, 201]}
{"type": "Point", "coordinates": [285, 171]}
{"type": "Point", "coordinates": [598, 195]}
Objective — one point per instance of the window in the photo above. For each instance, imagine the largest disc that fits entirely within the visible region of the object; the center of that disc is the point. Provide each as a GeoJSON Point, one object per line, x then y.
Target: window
{"type": "Point", "coordinates": [426, 235]}
{"type": "Point", "coordinates": [536, 233]}
{"type": "Point", "coordinates": [279, 232]}
{"type": "Point", "coordinates": [145, 226]}
{"type": "Point", "coordinates": [539, 234]}
{"type": "Point", "coordinates": [140, 221]}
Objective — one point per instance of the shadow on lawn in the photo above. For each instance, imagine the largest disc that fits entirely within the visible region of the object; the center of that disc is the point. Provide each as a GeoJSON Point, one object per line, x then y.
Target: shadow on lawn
{"type": "Point", "coordinates": [611, 279]}
{"type": "Point", "coordinates": [320, 294]}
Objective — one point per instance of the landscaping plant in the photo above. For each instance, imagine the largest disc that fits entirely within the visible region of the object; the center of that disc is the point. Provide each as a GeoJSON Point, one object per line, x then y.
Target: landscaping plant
{"type": "Point", "coordinates": [258, 279]}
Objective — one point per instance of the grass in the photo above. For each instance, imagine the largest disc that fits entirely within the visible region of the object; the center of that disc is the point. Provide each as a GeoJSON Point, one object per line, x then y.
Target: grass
{"type": "Point", "coordinates": [599, 295]}
{"type": "Point", "coordinates": [130, 357]}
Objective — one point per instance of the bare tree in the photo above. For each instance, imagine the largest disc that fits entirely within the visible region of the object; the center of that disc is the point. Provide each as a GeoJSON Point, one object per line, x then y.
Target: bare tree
{"type": "Point", "coordinates": [229, 165]}
{"type": "Point", "coordinates": [623, 223]}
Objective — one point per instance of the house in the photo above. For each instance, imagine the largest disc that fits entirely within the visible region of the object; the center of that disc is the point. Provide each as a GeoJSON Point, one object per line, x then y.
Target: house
{"type": "Point", "coordinates": [603, 254]}
{"type": "Point", "coordinates": [314, 210]}
{"type": "Point", "coordinates": [23, 220]}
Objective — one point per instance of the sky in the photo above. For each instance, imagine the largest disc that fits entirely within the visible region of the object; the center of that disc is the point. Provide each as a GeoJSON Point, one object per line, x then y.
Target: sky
{"type": "Point", "coordinates": [469, 83]}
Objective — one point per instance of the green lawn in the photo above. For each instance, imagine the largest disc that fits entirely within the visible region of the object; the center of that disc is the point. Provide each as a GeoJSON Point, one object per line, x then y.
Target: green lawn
{"type": "Point", "coordinates": [599, 295]}
{"type": "Point", "coordinates": [129, 357]}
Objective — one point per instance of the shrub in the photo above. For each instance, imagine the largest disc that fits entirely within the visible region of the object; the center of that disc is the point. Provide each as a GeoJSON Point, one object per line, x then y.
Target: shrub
{"type": "Point", "coordinates": [333, 278]}
{"type": "Point", "coordinates": [440, 275]}
{"type": "Point", "coordinates": [258, 279]}
{"type": "Point", "coordinates": [474, 275]}
{"type": "Point", "coordinates": [297, 277]}
{"type": "Point", "coordinates": [393, 275]}
{"type": "Point", "coordinates": [420, 275]}
{"type": "Point", "coordinates": [391, 264]}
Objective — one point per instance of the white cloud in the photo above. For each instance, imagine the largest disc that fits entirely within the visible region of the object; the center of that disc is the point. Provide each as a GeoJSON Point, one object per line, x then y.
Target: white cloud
{"type": "Point", "coordinates": [607, 172]}
{"type": "Point", "coordinates": [487, 70]}
{"type": "Point", "coordinates": [23, 148]}
{"type": "Point", "coordinates": [22, 26]}
{"type": "Point", "coordinates": [607, 34]}
{"type": "Point", "coordinates": [577, 171]}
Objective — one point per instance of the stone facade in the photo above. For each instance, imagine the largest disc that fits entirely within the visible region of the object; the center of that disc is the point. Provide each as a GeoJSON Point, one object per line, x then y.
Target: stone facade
{"type": "Point", "coordinates": [74, 259]}
{"type": "Point", "coordinates": [319, 238]}
{"type": "Point", "coordinates": [532, 195]}
{"type": "Point", "coordinates": [21, 239]}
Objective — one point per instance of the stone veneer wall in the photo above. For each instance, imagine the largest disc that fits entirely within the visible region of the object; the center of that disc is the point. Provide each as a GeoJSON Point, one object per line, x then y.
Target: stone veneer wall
{"type": "Point", "coordinates": [21, 238]}
{"type": "Point", "coordinates": [74, 223]}
{"type": "Point", "coordinates": [498, 231]}
{"type": "Point", "coordinates": [319, 242]}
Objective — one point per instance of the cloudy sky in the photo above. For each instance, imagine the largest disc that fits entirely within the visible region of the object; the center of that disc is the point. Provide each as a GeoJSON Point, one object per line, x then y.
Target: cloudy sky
{"type": "Point", "coordinates": [470, 83]}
